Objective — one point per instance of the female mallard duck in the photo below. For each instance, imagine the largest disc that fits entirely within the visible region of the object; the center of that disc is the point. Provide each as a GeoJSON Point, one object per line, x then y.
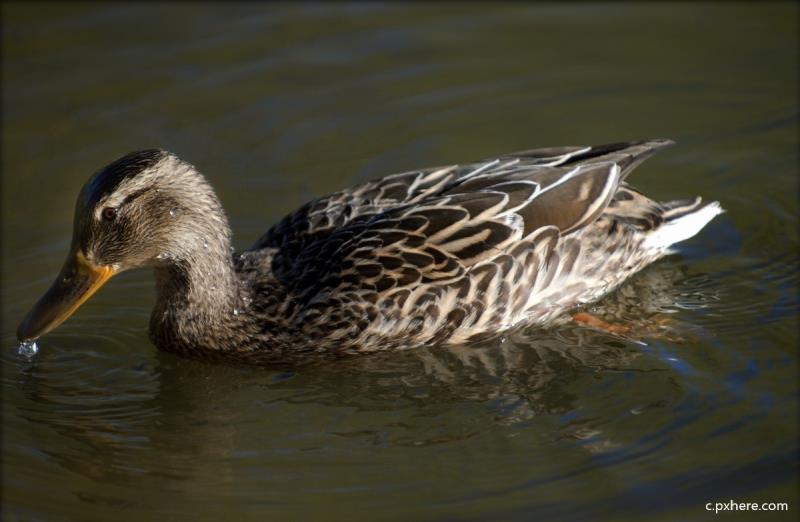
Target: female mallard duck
{"type": "Point", "coordinates": [443, 255]}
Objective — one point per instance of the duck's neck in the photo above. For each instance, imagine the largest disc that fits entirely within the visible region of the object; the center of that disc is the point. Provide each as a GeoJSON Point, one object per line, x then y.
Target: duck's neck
{"type": "Point", "coordinates": [198, 294]}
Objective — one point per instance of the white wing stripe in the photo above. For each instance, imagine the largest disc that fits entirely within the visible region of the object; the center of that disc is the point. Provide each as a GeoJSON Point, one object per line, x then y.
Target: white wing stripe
{"type": "Point", "coordinates": [564, 157]}
{"type": "Point", "coordinates": [601, 199]}
{"type": "Point", "coordinates": [482, 168]}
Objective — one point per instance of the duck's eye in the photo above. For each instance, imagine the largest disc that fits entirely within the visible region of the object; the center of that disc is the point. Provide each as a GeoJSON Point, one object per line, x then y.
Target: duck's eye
{"type": "Point", "coordinates": [109, 214]}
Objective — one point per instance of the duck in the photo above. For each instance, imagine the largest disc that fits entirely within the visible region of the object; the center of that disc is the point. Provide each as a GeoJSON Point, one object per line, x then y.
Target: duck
{"type": "Point", "coordinates": [447, 255]}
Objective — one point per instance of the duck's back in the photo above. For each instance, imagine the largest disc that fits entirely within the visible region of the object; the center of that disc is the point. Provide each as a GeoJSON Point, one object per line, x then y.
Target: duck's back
{"type": "Point", "coordinates": [459, 253]}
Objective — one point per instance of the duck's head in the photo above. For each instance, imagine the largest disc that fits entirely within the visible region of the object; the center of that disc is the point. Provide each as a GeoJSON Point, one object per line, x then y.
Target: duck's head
{"type": "Point", "coordinates": [148, 208]}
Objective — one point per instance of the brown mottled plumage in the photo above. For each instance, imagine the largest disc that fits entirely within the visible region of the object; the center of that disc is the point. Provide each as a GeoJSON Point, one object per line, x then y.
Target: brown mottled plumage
{"type": "Point", "coordinates": [445, 255]}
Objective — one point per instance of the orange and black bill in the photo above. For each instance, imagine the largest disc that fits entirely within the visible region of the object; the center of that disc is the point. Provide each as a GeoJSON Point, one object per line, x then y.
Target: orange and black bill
{"type": "Point", "coordinates": [77, 281]}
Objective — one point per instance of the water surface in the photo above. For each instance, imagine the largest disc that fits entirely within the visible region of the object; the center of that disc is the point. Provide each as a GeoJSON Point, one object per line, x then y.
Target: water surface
{"type": "Point", "coordinates": [276, 104]}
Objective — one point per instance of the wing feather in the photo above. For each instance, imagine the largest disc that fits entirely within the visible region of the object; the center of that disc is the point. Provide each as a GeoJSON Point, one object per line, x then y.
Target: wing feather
{"type": "Point", "coordinates": [432, 226]}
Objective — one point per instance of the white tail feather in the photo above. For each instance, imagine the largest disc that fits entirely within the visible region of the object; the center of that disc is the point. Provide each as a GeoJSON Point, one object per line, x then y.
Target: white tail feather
{"type": "Point", "coordinates": [683, 227]}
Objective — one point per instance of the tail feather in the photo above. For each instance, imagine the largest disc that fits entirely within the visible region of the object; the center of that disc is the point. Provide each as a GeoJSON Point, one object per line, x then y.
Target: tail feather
{"type": "Point", "coordinates": [680, 207]}
{"type": "Point", "coordinates": [682, 220]}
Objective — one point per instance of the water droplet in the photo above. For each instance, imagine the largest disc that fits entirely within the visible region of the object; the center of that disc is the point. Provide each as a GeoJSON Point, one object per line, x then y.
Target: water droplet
{"type": "Point", "coordinates": [235, 311]}
{"type": "Point", "coordinates": [28, 349]}
{"type": "Point", "coordinates": [173, 212]}
{"type": "Point", "coordinates": [205, 243]}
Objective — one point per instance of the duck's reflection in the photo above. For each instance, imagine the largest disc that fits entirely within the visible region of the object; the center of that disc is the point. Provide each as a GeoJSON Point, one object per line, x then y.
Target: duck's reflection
{"type": "Point", "coordinates": [170, 418]}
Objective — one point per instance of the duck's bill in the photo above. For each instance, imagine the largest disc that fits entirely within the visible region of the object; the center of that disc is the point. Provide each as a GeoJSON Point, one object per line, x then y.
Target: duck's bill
{"type": "Point", "coordinates": [76, 283]}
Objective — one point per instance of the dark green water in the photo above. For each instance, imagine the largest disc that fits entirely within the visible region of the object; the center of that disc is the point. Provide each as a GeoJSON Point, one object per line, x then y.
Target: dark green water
{"type": "Point", "coordinates": [276, 104]}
